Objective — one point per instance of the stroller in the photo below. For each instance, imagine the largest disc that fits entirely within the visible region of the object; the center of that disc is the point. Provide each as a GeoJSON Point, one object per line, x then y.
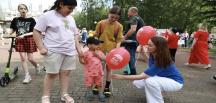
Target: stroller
{"type": "Point", "coordinates": [9, 75]}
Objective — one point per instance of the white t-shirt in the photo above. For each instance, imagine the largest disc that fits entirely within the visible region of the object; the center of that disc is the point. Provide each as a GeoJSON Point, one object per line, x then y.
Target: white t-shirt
{"type": "Point", "coordinates": [59, 32]}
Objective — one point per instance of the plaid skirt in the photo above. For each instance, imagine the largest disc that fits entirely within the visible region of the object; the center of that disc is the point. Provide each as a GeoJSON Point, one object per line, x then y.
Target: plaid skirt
{"type": "Point", "coordinates": [26, 44]}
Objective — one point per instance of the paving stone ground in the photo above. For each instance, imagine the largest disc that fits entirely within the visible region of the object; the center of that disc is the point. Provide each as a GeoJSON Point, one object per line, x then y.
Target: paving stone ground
{"type": "Point", "coordinates": [199, 86]}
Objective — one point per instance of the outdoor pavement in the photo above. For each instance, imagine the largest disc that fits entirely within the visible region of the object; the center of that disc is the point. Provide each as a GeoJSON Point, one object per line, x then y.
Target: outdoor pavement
{"type": "Point", "coordinates": [199, 86]}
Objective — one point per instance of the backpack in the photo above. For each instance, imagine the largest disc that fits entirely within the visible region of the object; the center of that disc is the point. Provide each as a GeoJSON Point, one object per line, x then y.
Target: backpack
{"type": "Point", "coordinates": [103, 25]}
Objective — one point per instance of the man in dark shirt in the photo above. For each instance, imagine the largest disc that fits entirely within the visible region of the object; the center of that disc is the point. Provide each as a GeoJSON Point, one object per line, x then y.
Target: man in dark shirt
{"type": "Point", "coordinates": [134, 24]}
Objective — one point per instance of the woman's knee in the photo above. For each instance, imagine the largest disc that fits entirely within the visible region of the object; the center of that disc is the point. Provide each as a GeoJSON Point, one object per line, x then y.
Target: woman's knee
{"type": "Point", "coordinates": [31, 59]}
{"type": "Point", "coordinates": [139, 83]}
{"type": "Point", "coordinates": [22, 59]}
{"type": "Point", "coordinates": [151, 82]}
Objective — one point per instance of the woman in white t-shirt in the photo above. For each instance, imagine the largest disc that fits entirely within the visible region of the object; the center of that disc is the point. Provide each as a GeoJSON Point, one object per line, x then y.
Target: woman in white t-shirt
{"type": "Point", "coordinates": [59, 46]}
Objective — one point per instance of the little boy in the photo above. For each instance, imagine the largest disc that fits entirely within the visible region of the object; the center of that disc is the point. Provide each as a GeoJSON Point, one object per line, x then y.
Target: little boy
{"type": "Point", "coordinates": [93, 69]}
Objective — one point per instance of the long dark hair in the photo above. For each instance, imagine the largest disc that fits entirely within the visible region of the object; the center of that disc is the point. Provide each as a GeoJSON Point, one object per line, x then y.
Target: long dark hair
{"type": "Point", "coordinates": [162, 57]}
{"type": "Point", "coordinates": [176, 30]}
{"type": "Point", "coordinates": [64, 2]}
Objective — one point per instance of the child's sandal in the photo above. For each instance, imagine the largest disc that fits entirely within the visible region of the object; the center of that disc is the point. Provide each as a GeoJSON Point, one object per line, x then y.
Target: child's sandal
{"type": "Point", "coordinates": [45, 99]}
{"type": "Point", "coordinates": [67, 99]}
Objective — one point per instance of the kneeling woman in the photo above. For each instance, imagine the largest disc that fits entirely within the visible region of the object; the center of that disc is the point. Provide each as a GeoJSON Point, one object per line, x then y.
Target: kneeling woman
{"type": "Point", "coordinates": [161, 74]}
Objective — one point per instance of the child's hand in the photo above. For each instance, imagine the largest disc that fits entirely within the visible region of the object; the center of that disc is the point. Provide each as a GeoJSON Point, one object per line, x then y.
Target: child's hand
{"type": "Point", "coordinates": [81, 60]}
{"type": "Point", "coordinates": [43, 51]}
{"type": "Point", "coordinates": [117, 76]}
{"type": "Point", "coordinates": [98, 54]}
{"type": "Point", "coordinates": [81, 54]}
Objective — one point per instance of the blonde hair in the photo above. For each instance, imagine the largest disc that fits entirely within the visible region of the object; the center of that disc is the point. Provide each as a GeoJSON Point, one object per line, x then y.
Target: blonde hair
{"type": "Point", "coordinates": [134, 9]}
{"type": "Point", "coordinates": [203, 26]}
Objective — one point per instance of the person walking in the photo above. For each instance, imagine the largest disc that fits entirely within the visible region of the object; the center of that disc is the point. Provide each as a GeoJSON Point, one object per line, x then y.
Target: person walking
{"type": "Point", "coordinates": [24, 44]}
{"type": "Point", "coordinates": [199, 48]}
{"type": "Point", "coordinates": [59, 46]}
{"type": "Point", "coordinates": [172, 40]}
{"type": "Point", "coordinates": [84, 35]}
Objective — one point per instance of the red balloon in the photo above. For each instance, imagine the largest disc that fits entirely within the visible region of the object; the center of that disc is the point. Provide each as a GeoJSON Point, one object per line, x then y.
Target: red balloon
{"type": "Point", "coordinates": [144, 34]}
{"type": "Point", "coordinates": [117, 58]}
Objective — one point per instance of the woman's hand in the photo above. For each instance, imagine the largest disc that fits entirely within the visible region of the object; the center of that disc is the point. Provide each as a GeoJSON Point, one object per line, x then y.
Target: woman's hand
{"type": "Point", "coordinates": [191, 49]}
{"type": "Point", "coordinates": [99, 55]}
{"type": "Point", "coordinates": [117, 76]}
{"type": "Point", "coordinates": [21, 37]}
{"type": "Point", "coordinates": [130, 77]}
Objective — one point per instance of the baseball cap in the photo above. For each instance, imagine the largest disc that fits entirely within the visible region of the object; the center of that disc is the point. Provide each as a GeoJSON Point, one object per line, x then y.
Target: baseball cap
{"type": "Point", "coordinates": [93, 40]}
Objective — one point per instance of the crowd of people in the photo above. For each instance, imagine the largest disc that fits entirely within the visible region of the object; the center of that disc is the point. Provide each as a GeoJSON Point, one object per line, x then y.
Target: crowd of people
{"type": "Point", "coordinates": [56, 36]}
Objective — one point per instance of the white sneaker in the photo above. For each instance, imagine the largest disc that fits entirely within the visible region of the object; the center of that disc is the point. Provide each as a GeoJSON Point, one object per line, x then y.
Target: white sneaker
{"type": "Point", "coordinates": [207, 66]}
{"type": "Point", "coordinates": [27, 79]}
{"type": "Point", "coordinates": [39, 69]}
{"type": "Point", "coordinates": [45, 99]}
{"type": "Point", "coordinates": [187, 64]}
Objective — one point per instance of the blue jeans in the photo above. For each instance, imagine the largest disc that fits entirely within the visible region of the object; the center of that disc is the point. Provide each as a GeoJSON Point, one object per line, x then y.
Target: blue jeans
{"type": "Point", "coordinates": [84, 37]}
{"type": "Point", "coordinates": [131, 48]}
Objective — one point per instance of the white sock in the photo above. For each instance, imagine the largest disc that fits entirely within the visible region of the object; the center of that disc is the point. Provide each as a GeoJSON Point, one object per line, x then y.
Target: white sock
{"type": "Point", "coordinates": [38, 65]}
{"type": "Point", "coordinates": [27, 74]}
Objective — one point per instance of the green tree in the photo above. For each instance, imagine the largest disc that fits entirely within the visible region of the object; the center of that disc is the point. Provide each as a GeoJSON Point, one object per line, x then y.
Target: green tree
{"type": "Point", "coordinates": [92, 12]}
{"type": "Point", "coordinates": [208, 11]}
{"type": "Point", "coordinates": [183, 14]}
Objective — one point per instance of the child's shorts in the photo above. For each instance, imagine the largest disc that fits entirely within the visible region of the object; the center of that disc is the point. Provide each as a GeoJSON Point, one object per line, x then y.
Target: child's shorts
{"type": "Point", "coordinates": [91, 80]}
{"type": "Point", "coordinates": [54, 62]}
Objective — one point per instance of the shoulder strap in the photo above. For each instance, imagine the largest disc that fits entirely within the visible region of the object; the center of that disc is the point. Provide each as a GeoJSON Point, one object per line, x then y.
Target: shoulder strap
{"type": "Point", "coordinates": [102, 27]}
{"type": "Point", "coordinates": [117, 27]}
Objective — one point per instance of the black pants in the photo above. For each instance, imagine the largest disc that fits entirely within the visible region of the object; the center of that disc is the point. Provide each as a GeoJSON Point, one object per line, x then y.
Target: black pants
{"type": "Point", "coordinates": [131, 48]}
{"type": "Point", "coordinates": [185, 44]}
{"type": "Point", "coordinates": [172, 53]}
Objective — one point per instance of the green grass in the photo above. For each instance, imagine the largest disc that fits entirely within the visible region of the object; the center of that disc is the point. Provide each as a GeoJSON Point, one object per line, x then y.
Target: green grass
{"type": "Point", "coordinates": [212, 49]}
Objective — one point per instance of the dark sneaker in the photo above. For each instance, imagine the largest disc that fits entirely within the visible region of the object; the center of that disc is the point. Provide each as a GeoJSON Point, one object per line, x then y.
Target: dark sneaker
{"type": "Point", "coordinates": [125, 73]}
{"type": "Point", "coordinates": [214, 77]}
{"type": "Point", "coordinates": [107, 92]}
{"type": "Point", "coordinates": [89, 96]}
{"type": "Point", "coordinates": [101, 97]}
{"type": "Point", "coordinates": [133, 74]}
{"type": "Point", "coordinates": [95, 90]}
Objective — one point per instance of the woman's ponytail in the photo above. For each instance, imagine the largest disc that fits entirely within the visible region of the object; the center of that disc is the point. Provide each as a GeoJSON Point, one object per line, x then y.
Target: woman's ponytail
{"type": "Point", "coordinates": [56, 5]}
